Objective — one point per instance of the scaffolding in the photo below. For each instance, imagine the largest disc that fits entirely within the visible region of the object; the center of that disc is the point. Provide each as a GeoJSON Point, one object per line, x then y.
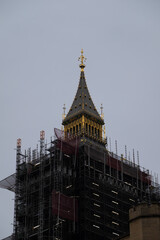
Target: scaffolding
{"type": "Point", "coordinates": [73, 188]}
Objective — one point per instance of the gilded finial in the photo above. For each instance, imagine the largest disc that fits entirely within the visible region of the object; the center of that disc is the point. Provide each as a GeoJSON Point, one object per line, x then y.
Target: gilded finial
{"type": "Point", "coordinates": [104, 131]}
{"type": "Point", "coordinates": [102, 114]}
{"type": "Point", "coordinates": [64, 114]}
{"type": "Point", "coordinates": [82, 59]}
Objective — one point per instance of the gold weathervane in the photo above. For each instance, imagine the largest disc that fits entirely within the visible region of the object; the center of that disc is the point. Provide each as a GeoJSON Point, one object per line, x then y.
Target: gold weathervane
{"type": "Point", "coordinates": [82, 59]}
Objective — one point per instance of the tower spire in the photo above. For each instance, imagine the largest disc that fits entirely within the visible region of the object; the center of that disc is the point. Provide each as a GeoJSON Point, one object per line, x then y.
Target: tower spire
{"type": "Point", "coordinates": [83, 119]}
{"type": "Point", "coordinates": [82, 59]}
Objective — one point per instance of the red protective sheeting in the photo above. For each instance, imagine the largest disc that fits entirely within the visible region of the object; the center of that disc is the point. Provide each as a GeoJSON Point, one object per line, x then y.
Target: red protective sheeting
{"type": "Point", "coordinates": [66, 148]}
{"type": "Point", "coordinates": [68, 145]}
{"type": "Point", "coordinates": [64, 206]}
{"type": "Point", "coordinates": [128, 170]}
{"type": "Point", "coordinates": [114, 163]}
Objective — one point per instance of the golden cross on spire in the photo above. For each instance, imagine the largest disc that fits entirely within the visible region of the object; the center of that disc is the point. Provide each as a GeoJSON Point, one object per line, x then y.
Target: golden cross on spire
{"type": "Point", "coordinates": [82, 59]}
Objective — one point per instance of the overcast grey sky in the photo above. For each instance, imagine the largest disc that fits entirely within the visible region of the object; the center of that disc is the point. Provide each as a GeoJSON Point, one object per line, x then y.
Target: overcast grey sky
{"type": "Point", "coordinates": [40, 42]}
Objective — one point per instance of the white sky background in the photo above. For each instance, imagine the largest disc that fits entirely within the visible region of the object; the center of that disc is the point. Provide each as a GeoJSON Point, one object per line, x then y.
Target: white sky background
{"type": "Point", "coordinates": [40, 42]}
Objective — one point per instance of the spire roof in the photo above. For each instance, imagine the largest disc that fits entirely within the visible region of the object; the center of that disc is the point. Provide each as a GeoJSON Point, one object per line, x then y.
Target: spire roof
{"type": "Point", "coordinates": [82, 103]}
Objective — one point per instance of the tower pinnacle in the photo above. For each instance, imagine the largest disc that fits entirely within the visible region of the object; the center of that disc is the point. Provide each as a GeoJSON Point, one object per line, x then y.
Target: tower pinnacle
{"type": "Point", "coordinates": [64, 113]}
{"type": "Point", "coordinates": [102, 114]}
{"type": "Point", "coordinates": [82, 59]}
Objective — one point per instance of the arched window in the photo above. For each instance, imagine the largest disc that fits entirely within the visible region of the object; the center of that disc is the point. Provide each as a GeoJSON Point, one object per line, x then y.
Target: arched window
{"type": "Point", "coordinates": [67, 132]}
{"type": "Point", "coordinates": [89, 130]}
{"type": "Point", "coordinates": [73, 130]}
{"type": "Point", "coordinates": [77, 129]}
{"type": "Point", "coordinates": [92, 131]}
{"type": "Point", "coordinates": [86, 128]}
{"type": "Point", "coordinates": [95, 132]}
{"type": "Point", "coordinates": [98, 133]}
